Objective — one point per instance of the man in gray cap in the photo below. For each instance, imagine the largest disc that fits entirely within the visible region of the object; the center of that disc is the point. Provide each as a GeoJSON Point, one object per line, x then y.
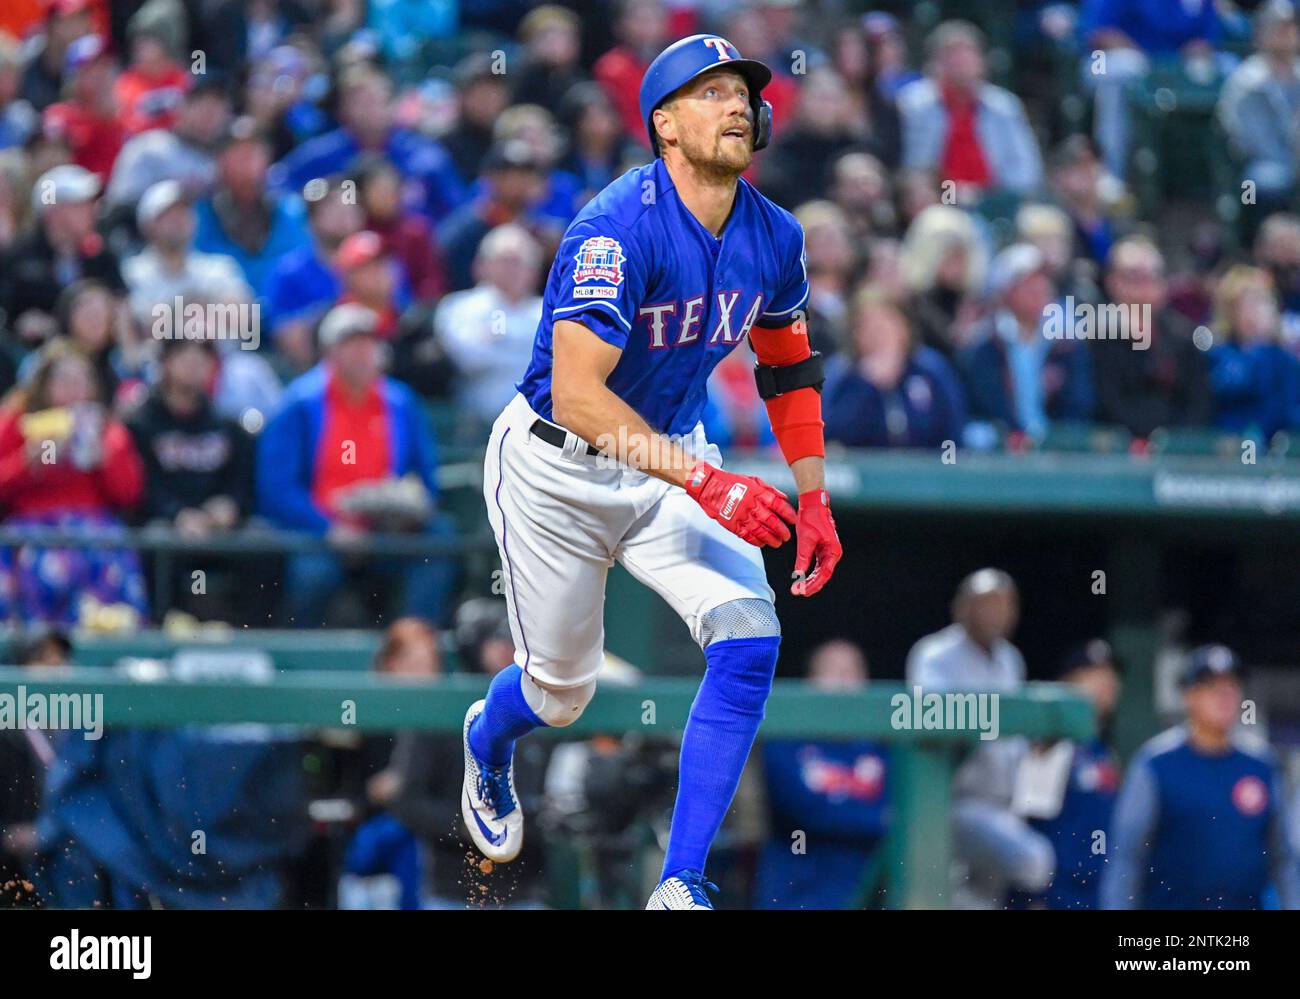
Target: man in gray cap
{"type": "Point", "coordinates": [64, 247]}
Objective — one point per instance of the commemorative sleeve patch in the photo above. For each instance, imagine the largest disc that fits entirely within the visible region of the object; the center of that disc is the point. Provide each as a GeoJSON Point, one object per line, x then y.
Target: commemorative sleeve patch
{"type": "Point", "coordinates": [599, 258]}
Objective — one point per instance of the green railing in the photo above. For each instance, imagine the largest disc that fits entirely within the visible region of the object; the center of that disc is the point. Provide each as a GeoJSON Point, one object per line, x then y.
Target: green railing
{"type": "Point", "coordinates": [917, 868]}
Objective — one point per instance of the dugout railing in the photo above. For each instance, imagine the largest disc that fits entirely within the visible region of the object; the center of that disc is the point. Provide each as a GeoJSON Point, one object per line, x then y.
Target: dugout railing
{"type": "Point", "coordinates": [916, 865]}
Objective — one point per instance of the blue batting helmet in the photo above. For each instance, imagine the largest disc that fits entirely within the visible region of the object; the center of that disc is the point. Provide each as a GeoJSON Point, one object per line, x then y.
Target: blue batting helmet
{"type": "Point", "coordinates": [686, 59]}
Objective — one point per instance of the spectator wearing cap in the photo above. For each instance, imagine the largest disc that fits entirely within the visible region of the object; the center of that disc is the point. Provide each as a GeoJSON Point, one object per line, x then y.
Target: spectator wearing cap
{"type": "Point", "coordinates": [513, 182]}
{"type": "Point", "coordinates": [62, 247]}
{"type": "Point", "coordinates": [642, 30]}
{"type": "Point", "coordinates": [483, 96]}
{"type": "Point", "coordinates": [169, 267]}
{"type": "Point", "coordinates": [835, 792]}
{"type": "Point", "coordinates": [369, 276]}
{"type": "Point", "coordinates": [1017, 371]}
{"type": "Point", "coordinates": [1259, 107]}
{"type": "Point", "coordinates": [305, 282]}
{"type": "Point", "coordinates": [887, 390]}
{"type": "Point", "coordinates": [89, 118]}
{"type": "Point", "coordinates": [344, 426]}
{"type": "Point", "coordinates": [552, 44]}
{"type": "Point", "coordinates": [241, 218]}
{"type": "Point", "coordinates": [406, 235]}
{"type": "Point", "coordinates": [65, 22]}
{"type": "Point", "coordinates": [185, 152]}
{"type": "Point", "coordinates": [943, 261]}
{"type": "Point", "coordinates": [1201, 822]}
{"type": "Point", "coordinates": [150, 89]}
{"type": "Point", "coordinates": [1149, 373]}
{"type": "Point", "coordinates": [1076, 787]}
{"type": "Point", "coordinates": [996, 846]}
{"type": "Point", "coordinates": [488, 330]}
{"type": "Point", "coordinates": [365, 114]}
{"type": "Point", "coordinates": [963, 128]}
{"type": "Point", "coordinates": [66, 464]}
{"type": "Point", "coordinates": [1256, 381]}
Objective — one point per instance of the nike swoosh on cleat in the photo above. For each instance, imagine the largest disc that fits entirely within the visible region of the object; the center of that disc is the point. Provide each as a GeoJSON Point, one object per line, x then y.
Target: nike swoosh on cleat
{"type": "Point", "coordinates": [496, 839]}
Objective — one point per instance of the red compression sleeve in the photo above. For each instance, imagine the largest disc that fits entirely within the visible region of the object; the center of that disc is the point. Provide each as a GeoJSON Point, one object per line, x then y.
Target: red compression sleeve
{"type": "Point", "coordinates": [796, 416]}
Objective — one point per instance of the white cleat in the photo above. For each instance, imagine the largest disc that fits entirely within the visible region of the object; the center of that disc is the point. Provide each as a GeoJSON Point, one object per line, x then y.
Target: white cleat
{"type": "Point", "coordinates": [488, 802]}
{"type": "Point", "coordinates": [685, 890]}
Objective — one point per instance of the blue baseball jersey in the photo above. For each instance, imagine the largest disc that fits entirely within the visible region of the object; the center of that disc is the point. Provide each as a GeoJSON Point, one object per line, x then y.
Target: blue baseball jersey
{"type": "Point", "coordinates": [642, 273]}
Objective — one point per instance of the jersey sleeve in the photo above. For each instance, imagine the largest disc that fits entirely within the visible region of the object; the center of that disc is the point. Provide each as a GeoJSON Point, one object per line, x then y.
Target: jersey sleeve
{"type": "Point", "coordinates": [599, 279]}
{"type": "Point", "coordinates": [783, 308]}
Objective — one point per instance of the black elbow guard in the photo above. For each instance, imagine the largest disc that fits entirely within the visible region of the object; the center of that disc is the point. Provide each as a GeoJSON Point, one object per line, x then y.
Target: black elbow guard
{"type": "Point", "coordinates": [777, 379]}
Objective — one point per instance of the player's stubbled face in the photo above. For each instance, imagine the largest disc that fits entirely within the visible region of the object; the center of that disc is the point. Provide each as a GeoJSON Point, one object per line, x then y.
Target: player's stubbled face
{"type": "Point", "coordinates": [715, 123]}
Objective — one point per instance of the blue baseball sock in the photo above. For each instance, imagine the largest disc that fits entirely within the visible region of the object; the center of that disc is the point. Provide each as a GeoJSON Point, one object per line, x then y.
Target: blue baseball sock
{"type": "Point", "coordinates": [719, 734]}
{"type": "Point", "coordinates": [505, 717]}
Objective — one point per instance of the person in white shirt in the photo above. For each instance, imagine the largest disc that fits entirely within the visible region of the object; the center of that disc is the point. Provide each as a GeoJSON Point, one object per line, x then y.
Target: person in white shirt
{"type": "Point", "coordinates": [169, 267]}
{"type": "Point", "coordinates": [997, 847]}
{"type": "Point", "coordinates": [487, 331]}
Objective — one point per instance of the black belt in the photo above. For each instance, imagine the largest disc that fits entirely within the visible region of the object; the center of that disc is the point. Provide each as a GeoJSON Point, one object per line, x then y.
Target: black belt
{"type": "Point", "coordinates": [553, 435]}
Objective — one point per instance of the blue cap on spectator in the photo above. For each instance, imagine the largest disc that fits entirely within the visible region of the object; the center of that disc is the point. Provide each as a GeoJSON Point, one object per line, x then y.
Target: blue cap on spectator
{"type": "Point", "coordinates": [1209, 661]}
{"type": "Point", "coordinates": [1096, 652]}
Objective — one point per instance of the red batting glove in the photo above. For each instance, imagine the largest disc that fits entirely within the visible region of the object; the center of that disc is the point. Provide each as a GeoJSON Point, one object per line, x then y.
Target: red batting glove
{"type": "Point", "coordinates": [747, 507]}
{"type": "Point", "coordinates": [817, 537]}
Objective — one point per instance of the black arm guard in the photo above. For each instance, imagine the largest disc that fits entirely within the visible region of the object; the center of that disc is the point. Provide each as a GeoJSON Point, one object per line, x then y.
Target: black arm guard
{"type": "Point", "coordinates": [774, 380]}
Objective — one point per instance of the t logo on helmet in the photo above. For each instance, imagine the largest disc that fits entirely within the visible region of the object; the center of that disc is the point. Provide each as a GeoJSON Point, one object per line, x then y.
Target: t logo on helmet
{"type": "Point", "coordinates": [720, 46]}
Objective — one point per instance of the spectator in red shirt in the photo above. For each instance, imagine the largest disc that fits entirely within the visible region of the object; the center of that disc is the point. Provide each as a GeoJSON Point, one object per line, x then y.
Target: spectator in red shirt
{"type": "Point", "coordinates": [66, 464]}
{"type": "Point", "coordinates": [89, 118]}
{"type": "Point", "coordinates": [643, 33]}
{"type": "Point", "coordinates": [151, 88]}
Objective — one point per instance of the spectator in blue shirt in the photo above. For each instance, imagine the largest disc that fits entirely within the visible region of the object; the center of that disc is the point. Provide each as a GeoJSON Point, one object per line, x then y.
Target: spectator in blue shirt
{"type": "Point", "coordinates": [1256, 381]}
{"type": "Point", "coordinates": [1202, 822]}
{"type": "Point", "coordinates": [365, 114]}
{"type": "Point", "coordinates": [1090, 774]}
{"type": "Point", "coordinates": [886, 390]}
{"type": "Point", "coordinates": [240, 219]}
{"type": "Point", "coordinates": [828, 804]}
{"type": "Point", "coordinates": [1017, 372]}
{"type": "Point", "coordinates": [349, 453]}
{"type": "Point", "coordinates": [304, 283]}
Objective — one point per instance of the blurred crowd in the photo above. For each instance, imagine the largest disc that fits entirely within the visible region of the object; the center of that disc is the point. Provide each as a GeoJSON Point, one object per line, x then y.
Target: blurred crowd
{"type": "Point", "coordinates": [263, 261]}
{"type": "Point", "coordinates": [235, 237]}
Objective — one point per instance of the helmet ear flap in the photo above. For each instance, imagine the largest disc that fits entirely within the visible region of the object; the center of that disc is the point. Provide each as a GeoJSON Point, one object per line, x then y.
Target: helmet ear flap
{"type": "Point", "coordinates": [762, 125]}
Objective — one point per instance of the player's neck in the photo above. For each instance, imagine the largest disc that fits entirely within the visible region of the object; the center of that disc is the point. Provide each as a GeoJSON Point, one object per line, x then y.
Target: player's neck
{"type": "Point", "coordinates": [708, 197]}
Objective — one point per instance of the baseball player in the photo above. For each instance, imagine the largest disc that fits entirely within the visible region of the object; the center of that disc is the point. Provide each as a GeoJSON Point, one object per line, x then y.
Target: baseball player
{"type": "Point", "coordinates": [601, 456]}
{"type": "Point", "coordinates": [1202, 820]}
